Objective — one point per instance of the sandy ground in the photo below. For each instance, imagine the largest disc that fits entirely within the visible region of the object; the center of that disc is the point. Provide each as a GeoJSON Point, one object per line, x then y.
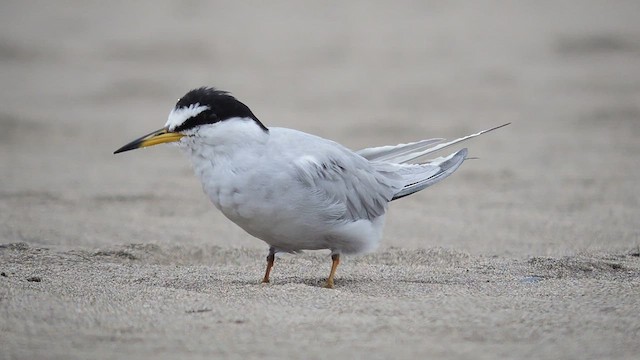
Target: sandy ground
{"type": "Point", "coordinates": [532, 251]}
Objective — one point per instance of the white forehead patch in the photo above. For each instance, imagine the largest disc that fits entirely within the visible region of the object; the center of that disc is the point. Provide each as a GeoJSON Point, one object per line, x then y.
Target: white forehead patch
{"type": "Point", "coordinates": [178, 116]}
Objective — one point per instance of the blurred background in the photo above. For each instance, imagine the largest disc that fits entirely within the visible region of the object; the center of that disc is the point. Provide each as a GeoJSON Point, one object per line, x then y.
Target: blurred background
{"type": "Point", "coordinates": [82, 78]}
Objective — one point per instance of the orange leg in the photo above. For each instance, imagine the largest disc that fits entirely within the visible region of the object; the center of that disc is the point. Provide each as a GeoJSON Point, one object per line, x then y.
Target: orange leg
{"type": "Point", "coordinates": [270, 260]}
{"type": "Point", "coordinates": [335, 258]}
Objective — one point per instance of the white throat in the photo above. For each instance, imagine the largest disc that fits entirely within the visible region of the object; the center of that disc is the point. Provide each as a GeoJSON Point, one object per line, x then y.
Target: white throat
{"type": "Point", "coordinates": [225, 142]}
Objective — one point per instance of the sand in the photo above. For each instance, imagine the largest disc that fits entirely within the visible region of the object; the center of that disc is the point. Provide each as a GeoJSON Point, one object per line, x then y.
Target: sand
{"type": "Point", "coordinates": [530, 251]}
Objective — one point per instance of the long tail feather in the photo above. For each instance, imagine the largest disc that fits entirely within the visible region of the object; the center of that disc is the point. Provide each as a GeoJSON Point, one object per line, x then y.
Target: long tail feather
{"type": "Point", "coordinates": [403, 153]}
{"type": "Point", "coordinates": [396, 153]}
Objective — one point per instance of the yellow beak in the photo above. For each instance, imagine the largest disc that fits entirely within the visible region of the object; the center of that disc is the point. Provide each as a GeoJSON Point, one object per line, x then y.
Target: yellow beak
{"type": "Point", "coordinates": [155, 138]}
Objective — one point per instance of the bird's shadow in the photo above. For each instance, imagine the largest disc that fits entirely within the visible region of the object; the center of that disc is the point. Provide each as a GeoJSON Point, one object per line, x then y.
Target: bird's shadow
{"type": "Point", "coordinates": [309, 281]}
{"type": "Point", "coordinates": [348, 282]}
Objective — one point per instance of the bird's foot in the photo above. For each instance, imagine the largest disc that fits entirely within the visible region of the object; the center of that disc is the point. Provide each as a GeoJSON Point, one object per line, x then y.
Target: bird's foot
{"type": "Point", "coordinates": [270, 260]}
{"type": "Point", "coordinates": [335, 260]}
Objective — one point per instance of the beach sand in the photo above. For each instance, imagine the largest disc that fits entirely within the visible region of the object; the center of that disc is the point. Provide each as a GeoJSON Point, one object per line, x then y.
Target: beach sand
{"type": "Point", "coordinates": [530, 251]}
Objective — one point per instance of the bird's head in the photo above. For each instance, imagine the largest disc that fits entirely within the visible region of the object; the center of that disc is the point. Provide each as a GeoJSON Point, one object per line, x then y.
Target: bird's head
{"type": "Point", "coordinates": [199, 117]}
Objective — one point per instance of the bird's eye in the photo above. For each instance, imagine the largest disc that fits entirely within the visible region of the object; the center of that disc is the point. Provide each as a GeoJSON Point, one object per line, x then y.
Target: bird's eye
{"type": "Point", "coordinates": [210, 115]}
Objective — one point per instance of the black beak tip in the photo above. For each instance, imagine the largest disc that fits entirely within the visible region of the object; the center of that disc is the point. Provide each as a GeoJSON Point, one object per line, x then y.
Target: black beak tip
{"type": "Point", "coordinates": [127, 147]}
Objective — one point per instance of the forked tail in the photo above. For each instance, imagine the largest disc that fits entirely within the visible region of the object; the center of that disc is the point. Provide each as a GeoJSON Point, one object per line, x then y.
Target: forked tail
{"type": "Point", "coordinates": [419, 176]}
{"type": "Point", "coordinates": [403, 153]}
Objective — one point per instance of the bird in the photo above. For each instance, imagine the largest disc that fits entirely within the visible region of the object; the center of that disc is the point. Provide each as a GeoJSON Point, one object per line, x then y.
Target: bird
{"type": "Point", "coordinates": [293, 190]}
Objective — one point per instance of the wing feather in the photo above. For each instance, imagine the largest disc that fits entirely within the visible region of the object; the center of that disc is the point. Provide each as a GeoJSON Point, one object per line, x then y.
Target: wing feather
{"type": "Point", "coordinates": [348, 184]}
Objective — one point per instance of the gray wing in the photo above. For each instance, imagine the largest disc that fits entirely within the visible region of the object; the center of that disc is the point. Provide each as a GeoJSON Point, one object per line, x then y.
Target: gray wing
{"type": "Point", "coordinates": [345, 186]}
{"type": "Point", "coordinates": [420, 176]}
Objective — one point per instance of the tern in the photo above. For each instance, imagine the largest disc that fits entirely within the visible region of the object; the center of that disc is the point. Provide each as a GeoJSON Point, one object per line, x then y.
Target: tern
{"type": "Point", "coordinates": [293, 190]}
